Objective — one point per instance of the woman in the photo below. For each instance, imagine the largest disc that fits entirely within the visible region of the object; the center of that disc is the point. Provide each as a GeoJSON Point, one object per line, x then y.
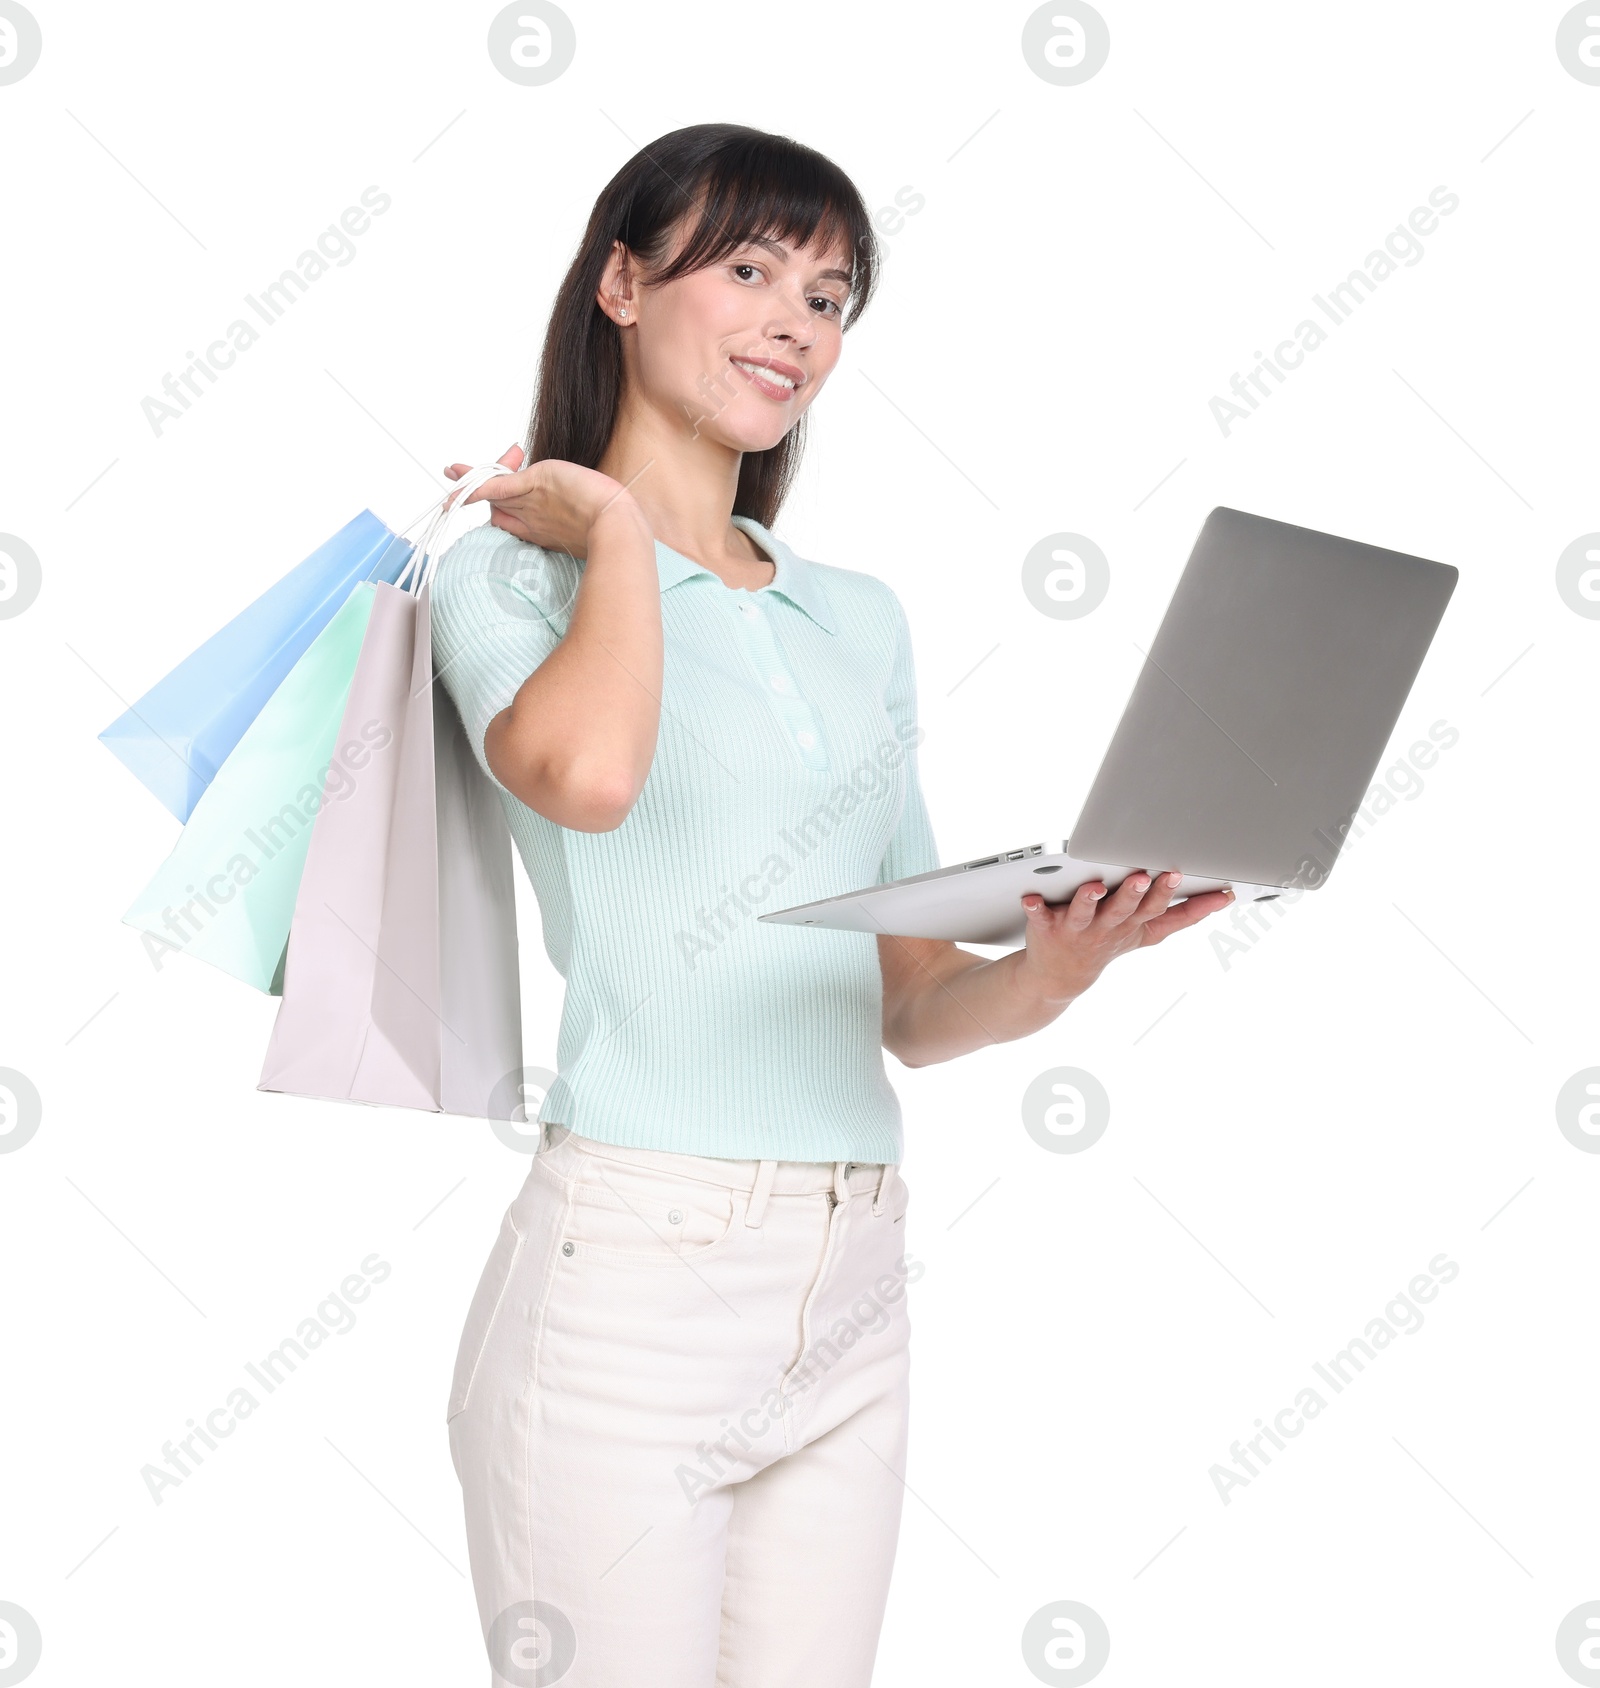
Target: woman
{"type": "Point", "coordinates": [679, 1407]}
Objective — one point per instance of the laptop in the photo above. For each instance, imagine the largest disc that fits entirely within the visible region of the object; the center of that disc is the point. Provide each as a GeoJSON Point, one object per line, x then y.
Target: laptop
{"type": "Point", "coordinates": [1249, 741]}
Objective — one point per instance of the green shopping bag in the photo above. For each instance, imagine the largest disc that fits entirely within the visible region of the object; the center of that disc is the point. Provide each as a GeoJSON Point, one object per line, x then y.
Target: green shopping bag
{"type": "Point", "coordinates": [227, 892]}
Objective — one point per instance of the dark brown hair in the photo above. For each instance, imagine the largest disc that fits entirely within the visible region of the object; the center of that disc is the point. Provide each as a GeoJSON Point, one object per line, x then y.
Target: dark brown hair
{"type": "Point", "coordinates": [742, 183]}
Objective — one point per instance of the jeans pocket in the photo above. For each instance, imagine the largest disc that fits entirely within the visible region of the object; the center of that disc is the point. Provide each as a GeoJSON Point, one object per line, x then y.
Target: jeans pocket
{"type": "Point", "coordinates": [643, 1215]}
{"type": "Point", "coordinates": [899, 1198]}
{"type": "Point", "coordinates": [480, 1315]}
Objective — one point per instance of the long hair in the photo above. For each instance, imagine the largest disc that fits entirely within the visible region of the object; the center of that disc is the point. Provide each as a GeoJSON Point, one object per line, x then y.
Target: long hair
{"type": "Point", "coordinates": [744, 183]}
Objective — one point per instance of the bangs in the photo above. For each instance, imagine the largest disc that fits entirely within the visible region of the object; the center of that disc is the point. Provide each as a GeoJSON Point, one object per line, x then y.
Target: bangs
{"type": "Point", "coordinates": [760, 185]}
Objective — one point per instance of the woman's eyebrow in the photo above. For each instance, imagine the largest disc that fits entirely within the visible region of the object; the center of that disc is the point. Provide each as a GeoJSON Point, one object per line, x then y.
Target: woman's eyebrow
{"type": "Point", "coordinates": [782, 251]}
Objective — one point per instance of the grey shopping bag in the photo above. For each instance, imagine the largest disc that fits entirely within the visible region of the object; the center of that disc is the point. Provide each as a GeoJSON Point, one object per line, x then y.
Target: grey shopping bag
{"type": "Point", "coordinates": [400, 981]}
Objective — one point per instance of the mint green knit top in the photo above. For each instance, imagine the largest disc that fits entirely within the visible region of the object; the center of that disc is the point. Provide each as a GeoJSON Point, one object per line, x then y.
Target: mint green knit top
{"type": "Point", "coordinates": [784, 770]}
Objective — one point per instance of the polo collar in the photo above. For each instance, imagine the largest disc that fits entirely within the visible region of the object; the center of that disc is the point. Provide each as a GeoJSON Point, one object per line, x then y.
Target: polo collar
{"type": "Point", "coordinates": [795, 579]}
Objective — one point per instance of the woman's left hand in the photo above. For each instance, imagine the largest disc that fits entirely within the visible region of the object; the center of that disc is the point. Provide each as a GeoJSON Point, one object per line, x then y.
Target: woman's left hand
{"type": "Point", "coordinates": [1069, 944]}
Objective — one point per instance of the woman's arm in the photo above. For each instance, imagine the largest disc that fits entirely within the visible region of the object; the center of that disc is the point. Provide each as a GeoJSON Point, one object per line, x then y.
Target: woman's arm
{"type": "Point", "coordinates": [576, 742]}
{"type": "Point", "coordinates": [940, 1001]}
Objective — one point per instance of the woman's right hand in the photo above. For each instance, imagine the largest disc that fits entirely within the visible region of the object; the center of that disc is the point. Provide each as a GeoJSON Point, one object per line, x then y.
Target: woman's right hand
{"type": "Point", "coordinates": [574, 744]}
{"type": "Point", "coordinates": [553, 504]}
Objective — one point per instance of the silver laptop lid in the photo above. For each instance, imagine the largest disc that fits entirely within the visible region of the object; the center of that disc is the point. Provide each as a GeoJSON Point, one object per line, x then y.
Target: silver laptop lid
{"type": "Point", "coordinates": [1264, 705]}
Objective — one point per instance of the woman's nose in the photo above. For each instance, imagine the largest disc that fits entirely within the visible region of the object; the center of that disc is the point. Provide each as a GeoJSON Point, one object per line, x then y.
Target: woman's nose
{"type": "Point", "coordinates": [794, 323]}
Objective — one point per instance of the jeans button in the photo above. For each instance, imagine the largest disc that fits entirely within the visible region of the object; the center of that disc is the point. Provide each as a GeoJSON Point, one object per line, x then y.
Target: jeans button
{"type": "Point", "coordinates": [675, 1217]}
{"type": "Point", "coordinates": [566, 1248]}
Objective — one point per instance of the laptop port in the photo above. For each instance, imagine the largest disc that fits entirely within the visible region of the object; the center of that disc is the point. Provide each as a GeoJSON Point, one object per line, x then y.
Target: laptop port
{"type": "Point", "coordinates": [988, 861]}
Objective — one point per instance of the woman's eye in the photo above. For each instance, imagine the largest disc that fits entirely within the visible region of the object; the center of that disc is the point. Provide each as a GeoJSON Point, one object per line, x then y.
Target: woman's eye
{"type": "Point", "coordinates": [833, 308]}
{"type": "Point", "coordinates": [738, 268]}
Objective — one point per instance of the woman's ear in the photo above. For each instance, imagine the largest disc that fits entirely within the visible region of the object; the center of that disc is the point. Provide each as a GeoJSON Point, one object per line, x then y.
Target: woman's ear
{"type": "Point", "coordinates": [615, 293]}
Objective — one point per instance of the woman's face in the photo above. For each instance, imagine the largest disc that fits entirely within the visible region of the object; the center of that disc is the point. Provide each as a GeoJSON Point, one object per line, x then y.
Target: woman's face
{"type": "Point", "coordinates": [739, 350]}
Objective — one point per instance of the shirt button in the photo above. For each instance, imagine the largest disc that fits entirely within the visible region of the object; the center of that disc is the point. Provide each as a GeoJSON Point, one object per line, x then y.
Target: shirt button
{"type": "Point", "coordinates": [750, 607]}
{"type": "Point", "coordinates": [805, 740]}
{"type": "Point", "coordinates": [782, 683]}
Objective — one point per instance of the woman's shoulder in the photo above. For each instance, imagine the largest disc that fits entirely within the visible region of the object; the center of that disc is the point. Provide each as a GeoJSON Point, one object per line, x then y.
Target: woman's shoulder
{"type": "Point", "coordinates": [860, 600]}
{"type": "Point", "coordinates": [486, 549]}
{"type": "Point", "coordinates": [487, 564]}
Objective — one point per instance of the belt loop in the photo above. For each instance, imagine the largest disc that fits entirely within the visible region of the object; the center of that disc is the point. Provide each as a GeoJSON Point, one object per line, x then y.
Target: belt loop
{"type": "Point", "coordinates": [877, 1195]}
{"type": "Point", "coordinates": [841, 1181]}
{"type": "Point", "coordinates": [759, 1192]}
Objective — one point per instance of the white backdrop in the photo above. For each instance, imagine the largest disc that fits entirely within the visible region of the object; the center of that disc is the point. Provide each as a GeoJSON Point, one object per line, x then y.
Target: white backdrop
{"type": "Point", "coordinates": [1301, 1119]}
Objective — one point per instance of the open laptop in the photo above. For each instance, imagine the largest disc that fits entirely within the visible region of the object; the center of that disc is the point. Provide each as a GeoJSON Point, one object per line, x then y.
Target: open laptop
{"type": "Point", "coordinates": [1249, 742]}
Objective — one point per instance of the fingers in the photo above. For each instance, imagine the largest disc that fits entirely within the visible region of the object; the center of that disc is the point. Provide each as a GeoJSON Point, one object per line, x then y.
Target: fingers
{"type": "Point", "coordinates": [515, 483]}
{"type": "Point", "coordinates": [1040, 913]}
{"type": "Point", "coordinates": [510, 458]}
{"type": "Point", "coordinates": [1125, 899]}
{"type": "Point", "coordinates": [1080, 908]}
{"type": "Point", "coordinates": [1160, 894]}
{"type": "Point", "coordinates": [1139, 899]}
{"type": "Point", "coordinates": [1189, 912]}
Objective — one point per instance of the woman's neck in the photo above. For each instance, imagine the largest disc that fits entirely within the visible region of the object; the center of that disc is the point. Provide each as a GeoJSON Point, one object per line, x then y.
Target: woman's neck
{"type": "Point", "coordinates": [686, 484]}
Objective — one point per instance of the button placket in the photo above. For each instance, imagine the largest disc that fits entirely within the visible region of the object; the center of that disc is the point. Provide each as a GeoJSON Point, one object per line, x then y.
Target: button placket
{"type": "Point", "coordinates": [796, 715]}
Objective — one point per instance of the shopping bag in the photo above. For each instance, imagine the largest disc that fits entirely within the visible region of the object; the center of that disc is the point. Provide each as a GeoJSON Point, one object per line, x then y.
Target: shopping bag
{"type": "Point", "coordinates": [176, 737]}
{"type": "Point", "coordinates": [401, 983]}
{"type": "Point", "coordinates": [226, 893]}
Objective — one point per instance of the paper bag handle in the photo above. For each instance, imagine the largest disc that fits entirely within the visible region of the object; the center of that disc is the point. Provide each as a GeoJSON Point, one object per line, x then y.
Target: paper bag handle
{"type": "Point", "coordinates": [424, 558]}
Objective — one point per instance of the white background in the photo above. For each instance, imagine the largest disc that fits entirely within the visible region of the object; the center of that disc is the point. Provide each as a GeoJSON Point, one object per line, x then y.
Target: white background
{"type": "Point", "coordinates": [1293, 1135]}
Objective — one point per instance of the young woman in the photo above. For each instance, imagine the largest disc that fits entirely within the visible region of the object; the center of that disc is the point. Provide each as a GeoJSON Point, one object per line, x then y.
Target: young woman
{"type": "Point", "coordinates": [679, 1408]}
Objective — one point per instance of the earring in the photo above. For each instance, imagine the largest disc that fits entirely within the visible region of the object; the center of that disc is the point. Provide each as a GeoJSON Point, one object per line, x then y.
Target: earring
{"type": "Point", "coordinates": [622, 310]}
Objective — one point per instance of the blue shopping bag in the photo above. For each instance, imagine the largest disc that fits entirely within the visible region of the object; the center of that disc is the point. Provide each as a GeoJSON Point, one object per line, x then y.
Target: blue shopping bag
{"type": "Point", "coordinates": [180, 732]}
{"type": "Point", "coordinates": [227, 892]}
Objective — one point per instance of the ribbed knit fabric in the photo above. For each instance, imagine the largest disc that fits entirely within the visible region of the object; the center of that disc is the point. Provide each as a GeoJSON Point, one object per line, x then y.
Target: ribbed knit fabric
{"type": "Point", "coordinates": [785, 770]}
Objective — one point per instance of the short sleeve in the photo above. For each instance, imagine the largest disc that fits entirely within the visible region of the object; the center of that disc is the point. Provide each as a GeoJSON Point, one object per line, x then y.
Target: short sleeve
{"type": "Point", "coordinates": [911, 849]}
{"type": "Point", "coordinates": [499, 607]}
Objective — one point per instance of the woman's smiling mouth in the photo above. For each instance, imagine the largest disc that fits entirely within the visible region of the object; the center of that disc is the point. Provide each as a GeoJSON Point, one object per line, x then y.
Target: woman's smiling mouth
{"type": "Point", "coordinates": [767, 375]}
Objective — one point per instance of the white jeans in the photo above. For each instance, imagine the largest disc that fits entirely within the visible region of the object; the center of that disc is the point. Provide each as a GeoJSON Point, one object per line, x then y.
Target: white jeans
{"type": "Point", "coordinates": [679, 1419]}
